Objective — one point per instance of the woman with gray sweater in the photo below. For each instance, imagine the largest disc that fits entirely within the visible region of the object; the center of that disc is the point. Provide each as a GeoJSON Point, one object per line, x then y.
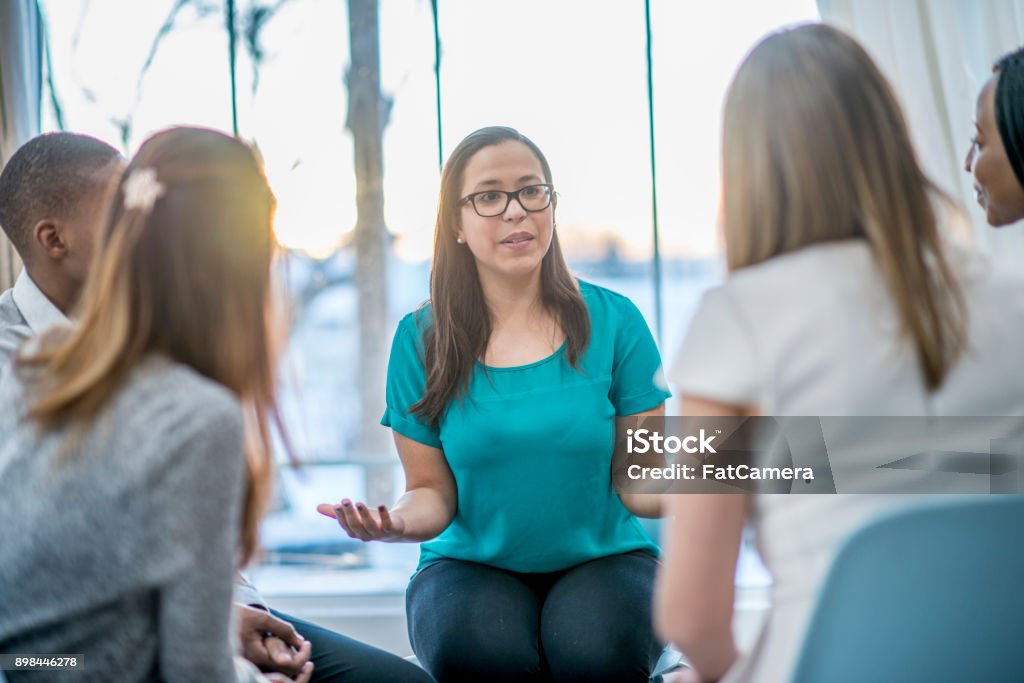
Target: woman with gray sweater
{"type": "Point", "coordinates": [134, 448]}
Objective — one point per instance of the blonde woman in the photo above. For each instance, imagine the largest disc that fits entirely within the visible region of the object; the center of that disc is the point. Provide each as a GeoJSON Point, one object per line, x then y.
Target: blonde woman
{"type": "Point", "coordinates": [134, 448]}
{"type": "Point", "coordinates": [842, 299]}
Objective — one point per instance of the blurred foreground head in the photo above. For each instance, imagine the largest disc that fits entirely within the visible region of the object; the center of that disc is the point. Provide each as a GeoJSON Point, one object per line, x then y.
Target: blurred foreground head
{"type": "Point", "coordinates": [184, 271]}
{"type": "Point", "coordinates": [816, 149]}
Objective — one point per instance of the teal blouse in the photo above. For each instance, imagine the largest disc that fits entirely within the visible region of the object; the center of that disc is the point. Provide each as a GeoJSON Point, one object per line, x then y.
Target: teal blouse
{"type": "Point", "coordinates": [530, 446]}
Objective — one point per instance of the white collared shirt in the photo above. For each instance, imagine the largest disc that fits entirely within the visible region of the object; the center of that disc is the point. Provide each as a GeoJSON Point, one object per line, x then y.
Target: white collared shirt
{"type": "Point", "coordinates": [25, 312]}
{"type": "Point", "coordinates": [38, 311]}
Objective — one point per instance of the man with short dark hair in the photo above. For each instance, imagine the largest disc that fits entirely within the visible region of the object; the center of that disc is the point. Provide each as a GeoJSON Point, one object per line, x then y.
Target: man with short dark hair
{"type": "Point", "coordinates": [52, 200]}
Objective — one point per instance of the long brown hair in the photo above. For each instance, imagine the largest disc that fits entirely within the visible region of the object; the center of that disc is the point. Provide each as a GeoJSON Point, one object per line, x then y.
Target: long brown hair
{"type": "Point", "coordinates": [188, 278]}
{"type": "Point", "coordinates": [815, 148]}
{"type": "Point", "coordinates": [460, 325]}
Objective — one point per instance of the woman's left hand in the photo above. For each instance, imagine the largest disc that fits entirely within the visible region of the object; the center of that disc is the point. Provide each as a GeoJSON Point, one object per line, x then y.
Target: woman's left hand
{"type": "Point", "coordinates": [360, 522]}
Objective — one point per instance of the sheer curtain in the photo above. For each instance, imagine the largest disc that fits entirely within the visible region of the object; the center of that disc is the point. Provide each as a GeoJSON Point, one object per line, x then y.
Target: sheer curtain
{"type": "Point", "coordinates": [20, 91]}
{"type": "Point", "coordinates": [937, 54]}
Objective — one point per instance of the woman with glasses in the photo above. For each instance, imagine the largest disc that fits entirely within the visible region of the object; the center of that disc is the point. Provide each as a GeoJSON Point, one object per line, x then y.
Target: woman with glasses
{"type": "Point", "coordinates": [502, 393]}
{"type": "Point", "coordinates": [843, 299]}
{"type": "Point", "coordinates": [996, 155]}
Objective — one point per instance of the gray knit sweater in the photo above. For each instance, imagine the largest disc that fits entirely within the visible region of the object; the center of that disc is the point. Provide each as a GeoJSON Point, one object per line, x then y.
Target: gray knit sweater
{"type": "Point", "coordinates": [122, 546]}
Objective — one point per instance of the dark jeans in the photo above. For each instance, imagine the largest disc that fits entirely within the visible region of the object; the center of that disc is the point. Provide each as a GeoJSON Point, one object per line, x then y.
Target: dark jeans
{"type": "Point", "coordinates": [338, 658]}
{"type": "Point", "coordinates": [592, 622]}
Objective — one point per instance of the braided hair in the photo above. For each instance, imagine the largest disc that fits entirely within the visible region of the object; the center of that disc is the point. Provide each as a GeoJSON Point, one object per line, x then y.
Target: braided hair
{"type": "Point", "coordinates": [1010, 108]}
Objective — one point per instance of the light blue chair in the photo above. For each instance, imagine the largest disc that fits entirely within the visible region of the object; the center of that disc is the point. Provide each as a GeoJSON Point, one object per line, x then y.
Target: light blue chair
{"type": "Point", "coordinates": [930, 593]}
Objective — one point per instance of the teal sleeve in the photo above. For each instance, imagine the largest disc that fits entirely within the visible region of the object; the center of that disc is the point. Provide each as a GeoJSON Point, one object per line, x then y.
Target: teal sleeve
{"type": "Point", "coordinates": [405, 386]}
{"type": "Point", "coordinates": [638, 383]}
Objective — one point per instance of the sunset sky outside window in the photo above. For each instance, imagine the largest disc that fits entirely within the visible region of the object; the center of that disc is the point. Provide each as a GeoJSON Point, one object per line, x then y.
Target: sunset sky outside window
{"type": "Point", "coordinates": [570, 74]}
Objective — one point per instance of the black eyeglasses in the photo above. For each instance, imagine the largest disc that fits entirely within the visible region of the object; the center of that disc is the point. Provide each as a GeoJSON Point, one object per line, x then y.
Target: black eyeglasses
{"type": "Point", "coordinates": [491, 203]}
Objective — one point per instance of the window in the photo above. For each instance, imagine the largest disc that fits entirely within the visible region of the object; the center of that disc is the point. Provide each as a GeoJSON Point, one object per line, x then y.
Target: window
{"type": "Point", "coordinates": [571, 75]}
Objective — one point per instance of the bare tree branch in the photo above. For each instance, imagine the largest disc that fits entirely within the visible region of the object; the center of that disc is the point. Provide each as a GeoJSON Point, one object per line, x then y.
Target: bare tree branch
{"type": "Point", "coordinates": [254, 21]}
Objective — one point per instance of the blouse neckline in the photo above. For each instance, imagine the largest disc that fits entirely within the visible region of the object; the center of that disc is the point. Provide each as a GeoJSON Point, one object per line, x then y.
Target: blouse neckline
{"type": "Point", "coordinates": [508, 368]}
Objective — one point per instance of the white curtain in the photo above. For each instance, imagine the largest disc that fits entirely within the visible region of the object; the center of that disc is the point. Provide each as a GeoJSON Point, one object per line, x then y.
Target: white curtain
{"type": "Point", "coordinates": [20, 93]}
{"type": "Point", "coordinates": [937, 54]}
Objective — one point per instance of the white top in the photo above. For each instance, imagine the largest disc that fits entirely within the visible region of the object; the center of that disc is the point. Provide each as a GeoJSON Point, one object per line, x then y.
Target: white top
{"type": "Point", "coordinates": [815, 333]}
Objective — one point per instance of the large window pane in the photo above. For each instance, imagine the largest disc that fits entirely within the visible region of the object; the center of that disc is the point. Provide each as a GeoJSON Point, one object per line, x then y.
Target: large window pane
{"type": "Point", "coordinates": [122, 85]}
{"type": "Point", "coordinates": [697, 48]}
{"type": "Point", "coordinates": [571, 76]}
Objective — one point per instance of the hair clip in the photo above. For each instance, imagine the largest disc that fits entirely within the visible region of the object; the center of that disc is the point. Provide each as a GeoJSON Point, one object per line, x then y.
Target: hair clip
{"type": "Point", "coordinates": [142, 189]}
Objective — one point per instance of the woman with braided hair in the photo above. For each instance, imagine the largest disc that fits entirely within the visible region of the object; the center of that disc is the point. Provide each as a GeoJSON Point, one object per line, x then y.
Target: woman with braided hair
{"type": "Point", "coordinates": [996, 156]}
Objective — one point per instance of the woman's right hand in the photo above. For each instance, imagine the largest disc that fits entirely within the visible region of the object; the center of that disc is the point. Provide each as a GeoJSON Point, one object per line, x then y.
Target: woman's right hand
{"type": "Point", "coordinates": [358, 521]}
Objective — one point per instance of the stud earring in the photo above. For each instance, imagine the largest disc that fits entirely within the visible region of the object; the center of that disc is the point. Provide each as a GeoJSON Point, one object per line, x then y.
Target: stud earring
{"type": "Point", "coordinates": [460, 240]}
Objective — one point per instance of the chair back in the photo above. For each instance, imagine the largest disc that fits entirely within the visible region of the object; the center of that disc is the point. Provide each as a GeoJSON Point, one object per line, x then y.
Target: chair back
{"type": "Point", "coordinates": [929, 593]}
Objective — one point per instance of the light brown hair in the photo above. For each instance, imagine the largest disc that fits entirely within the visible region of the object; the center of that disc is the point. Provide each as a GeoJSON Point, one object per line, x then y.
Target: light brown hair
{"type": "Point", "coordinates": [188, 278]}
{"type": "Point", "coordinates": [461, 325]}
{"type": "Point", "coordinates": [815, 149]}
